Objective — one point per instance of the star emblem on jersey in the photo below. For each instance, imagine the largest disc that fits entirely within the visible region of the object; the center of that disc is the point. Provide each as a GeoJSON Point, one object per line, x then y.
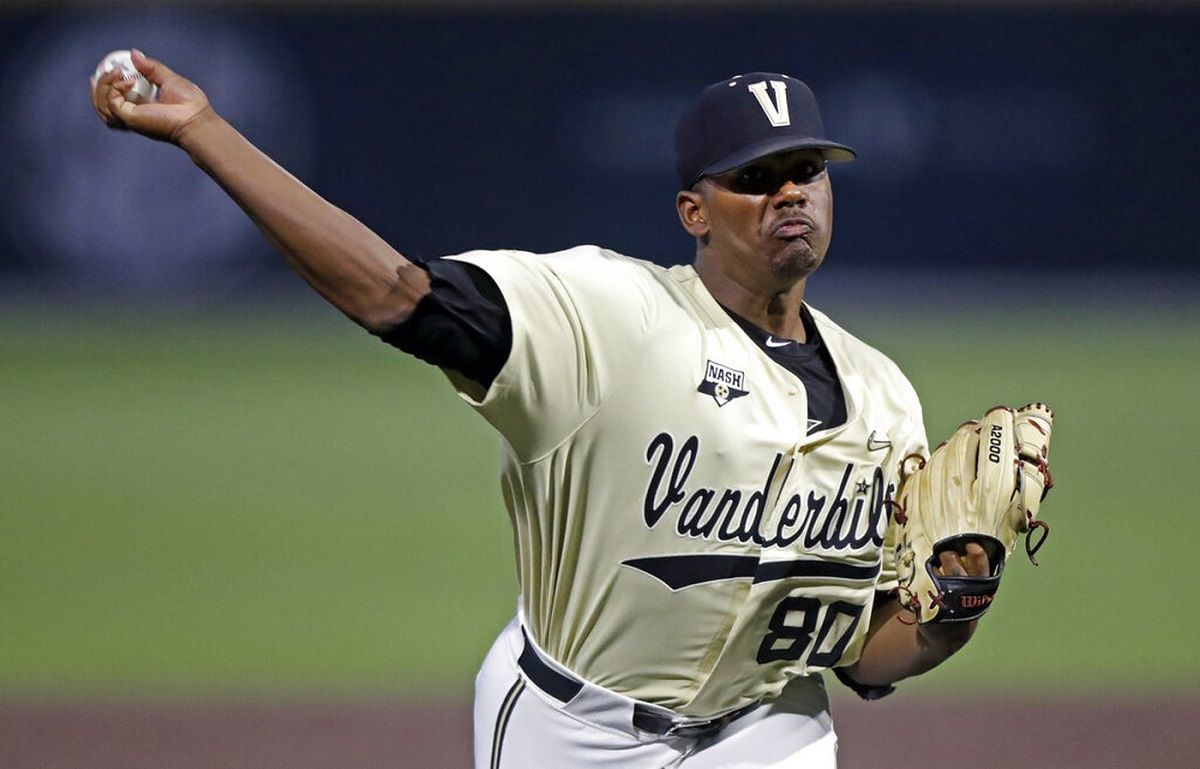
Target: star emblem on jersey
{"type": "Point", "coordinates": [722, 382]}
{"type": "Point", "coordinates": [860, 488]}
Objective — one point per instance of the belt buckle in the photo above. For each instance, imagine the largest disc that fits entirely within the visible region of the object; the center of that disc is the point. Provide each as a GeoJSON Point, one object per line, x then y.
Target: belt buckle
{"type": "Point", "coordinates": [657, 723]}
{"type": "Point", "coordinates": [693, 729]}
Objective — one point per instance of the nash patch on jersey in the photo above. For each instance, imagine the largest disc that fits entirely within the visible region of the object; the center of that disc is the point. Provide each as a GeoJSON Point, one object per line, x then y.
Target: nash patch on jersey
{"type": "Point", "coordinates": [722, 383]}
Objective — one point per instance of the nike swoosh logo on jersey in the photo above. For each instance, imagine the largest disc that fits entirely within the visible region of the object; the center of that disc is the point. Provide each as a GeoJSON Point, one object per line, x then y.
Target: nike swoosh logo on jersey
{"type": "Point", "coordinates": [773, 342]}
{"type": "Point", "coordinates": [877, 445]}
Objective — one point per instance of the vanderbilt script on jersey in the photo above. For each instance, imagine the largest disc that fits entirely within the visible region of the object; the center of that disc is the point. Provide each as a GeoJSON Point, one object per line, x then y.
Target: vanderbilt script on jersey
{"type": "Point", "coordinates": [728, 515]}
{"type": "Point", "coordinates": [681, 536]}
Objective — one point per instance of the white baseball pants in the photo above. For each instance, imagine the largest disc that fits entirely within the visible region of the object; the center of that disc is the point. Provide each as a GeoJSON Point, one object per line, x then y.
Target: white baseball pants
{"type": "Point", "coordinates": [531, 713]}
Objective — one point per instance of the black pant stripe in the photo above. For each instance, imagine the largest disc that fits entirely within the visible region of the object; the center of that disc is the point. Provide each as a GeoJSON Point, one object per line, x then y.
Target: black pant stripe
{"type": "Point", "coordinates": [506, 709]}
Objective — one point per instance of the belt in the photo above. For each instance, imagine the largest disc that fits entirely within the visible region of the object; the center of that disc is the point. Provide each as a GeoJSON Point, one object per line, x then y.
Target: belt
{"type": "Point", "coordinates": [564, 688]}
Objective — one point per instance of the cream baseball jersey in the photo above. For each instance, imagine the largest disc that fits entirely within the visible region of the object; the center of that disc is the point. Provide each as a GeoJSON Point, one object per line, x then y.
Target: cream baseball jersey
{"type": "Point", "coordinates": [682, 536]}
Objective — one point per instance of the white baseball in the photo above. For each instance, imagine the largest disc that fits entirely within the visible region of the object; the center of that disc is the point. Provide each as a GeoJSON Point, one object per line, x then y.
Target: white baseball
{"type": "Point", "coordinates": [143, 90]}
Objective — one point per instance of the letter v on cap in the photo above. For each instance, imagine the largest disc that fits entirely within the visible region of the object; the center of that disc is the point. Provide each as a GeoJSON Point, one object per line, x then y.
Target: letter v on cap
{"type": "Point", "coordinates": [776, 110]}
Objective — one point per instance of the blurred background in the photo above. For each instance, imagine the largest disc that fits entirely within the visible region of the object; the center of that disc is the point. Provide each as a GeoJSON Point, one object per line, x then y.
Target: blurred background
{"type": "Point", "coordinates": [235, 530]}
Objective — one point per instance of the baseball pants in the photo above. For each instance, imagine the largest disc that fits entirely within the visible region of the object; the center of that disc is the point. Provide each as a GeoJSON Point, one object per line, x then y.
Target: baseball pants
{"type": "Point", "coordinates": [532, 713]}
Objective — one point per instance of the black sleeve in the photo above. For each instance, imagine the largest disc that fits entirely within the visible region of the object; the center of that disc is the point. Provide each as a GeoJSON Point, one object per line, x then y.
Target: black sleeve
{"type": "Point", "coordinates": [462, 324]}
{"type": "Point", "coordinates": [866, 692]}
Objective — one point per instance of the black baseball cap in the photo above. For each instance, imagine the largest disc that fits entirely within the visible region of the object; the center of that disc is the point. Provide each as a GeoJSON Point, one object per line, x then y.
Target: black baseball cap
{"type": "Point", "coordinates": [745, 118]}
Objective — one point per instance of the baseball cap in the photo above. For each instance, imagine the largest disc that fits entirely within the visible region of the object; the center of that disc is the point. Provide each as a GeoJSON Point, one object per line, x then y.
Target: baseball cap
{"type": "Point", "coordinates": [745, 118]}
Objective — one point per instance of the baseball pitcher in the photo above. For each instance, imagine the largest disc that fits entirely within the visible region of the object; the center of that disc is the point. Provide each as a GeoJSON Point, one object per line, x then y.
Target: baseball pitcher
{"type": "Point", "coordinates": [717, 493]}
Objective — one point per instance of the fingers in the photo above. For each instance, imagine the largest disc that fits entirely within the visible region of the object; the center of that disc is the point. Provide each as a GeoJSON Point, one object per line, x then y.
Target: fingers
{"type": "Point", "coordinates": [976, 561]}
{"type": "Point", "coordinates": [154, 70]}
{"type": "Point", "coordinates": [100, 88]}
{"type": "Point", "coordinates": [160, 111]}
{"type": "Point", "coordinates": [951, 565]}
{"type": "Point", "coordinates": [119, 106]}
{"type": "Point", "coordinates": [973, 563]}
{"type": "Point", "coordinates": [108, 98]}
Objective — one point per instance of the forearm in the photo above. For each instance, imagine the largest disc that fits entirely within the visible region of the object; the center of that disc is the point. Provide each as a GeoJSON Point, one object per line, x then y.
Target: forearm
{"type": "Point", "coordinates": [895, 649]}
{"type": "Point", "coordinates": [347, 263]}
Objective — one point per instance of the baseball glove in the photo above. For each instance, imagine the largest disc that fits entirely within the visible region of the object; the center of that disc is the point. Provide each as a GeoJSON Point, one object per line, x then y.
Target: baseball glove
{"type": "Point", "coordinates": [984, 485]}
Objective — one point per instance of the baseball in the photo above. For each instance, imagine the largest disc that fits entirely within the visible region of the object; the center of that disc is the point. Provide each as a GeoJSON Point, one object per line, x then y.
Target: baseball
{"type": "Point", "coordinates": [143, 90]}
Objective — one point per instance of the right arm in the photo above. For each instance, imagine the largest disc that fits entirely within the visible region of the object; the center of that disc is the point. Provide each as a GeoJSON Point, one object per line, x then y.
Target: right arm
{"type": "Point", "coordinates": [347, 263]}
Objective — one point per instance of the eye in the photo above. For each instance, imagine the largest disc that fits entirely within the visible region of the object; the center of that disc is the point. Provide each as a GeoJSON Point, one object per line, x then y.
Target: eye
{"type": "Point", "coordinates": [808, 169]}
{"type": "Point", "coordinates": [751, 176]}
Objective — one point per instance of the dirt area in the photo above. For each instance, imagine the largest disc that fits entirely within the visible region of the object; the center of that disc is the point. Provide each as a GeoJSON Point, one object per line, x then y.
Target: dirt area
{"type": "Point", "coordinates": [1046, 734]}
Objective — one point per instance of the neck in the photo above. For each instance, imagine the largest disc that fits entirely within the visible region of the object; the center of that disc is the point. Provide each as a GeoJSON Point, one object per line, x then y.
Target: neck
{"type": "Point", "coordinates": [771, 305]}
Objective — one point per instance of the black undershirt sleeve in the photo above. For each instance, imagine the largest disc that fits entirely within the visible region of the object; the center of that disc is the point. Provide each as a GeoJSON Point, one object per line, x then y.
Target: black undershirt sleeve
{"type": "Point", "coordinates": [862, 690]}
{"type": "Point", "coordinates": [463, 323]}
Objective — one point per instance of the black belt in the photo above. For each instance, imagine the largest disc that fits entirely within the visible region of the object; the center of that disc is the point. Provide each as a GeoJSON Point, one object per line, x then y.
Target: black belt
{"type": "Point", "coordinates": [563, 688]}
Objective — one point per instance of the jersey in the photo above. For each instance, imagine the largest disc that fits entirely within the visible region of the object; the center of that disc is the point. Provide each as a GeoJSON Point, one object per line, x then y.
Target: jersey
{"type": "Point", "coordinates": [682, 536]}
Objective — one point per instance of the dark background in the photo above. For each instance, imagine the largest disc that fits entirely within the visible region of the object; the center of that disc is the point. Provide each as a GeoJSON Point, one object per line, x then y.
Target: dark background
{"type": "Point", "coordinates": [990, 139]}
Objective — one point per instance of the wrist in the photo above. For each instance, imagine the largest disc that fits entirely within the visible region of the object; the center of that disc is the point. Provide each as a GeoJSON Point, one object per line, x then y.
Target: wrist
{"type": "Point", "coordinates": [190, 136]}
{"type": "Point", "coordinates": [946, 637]}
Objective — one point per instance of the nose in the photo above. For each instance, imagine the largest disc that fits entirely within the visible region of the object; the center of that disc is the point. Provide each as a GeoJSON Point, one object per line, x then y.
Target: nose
{"type": "Point", "coordinates": [790, 194]}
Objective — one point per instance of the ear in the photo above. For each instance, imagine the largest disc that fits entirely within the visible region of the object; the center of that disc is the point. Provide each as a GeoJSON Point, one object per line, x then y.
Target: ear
{"type": "Point", "coordinates": [693, 214]}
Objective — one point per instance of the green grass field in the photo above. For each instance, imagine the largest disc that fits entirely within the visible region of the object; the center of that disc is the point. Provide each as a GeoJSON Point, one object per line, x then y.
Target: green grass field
{"type": "Point", "coordinates": [284, 504]}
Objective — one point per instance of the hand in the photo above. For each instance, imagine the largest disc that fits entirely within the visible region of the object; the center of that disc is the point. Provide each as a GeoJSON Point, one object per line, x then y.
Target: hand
{"type": "Point", "coordinates": [952, 636]}
{"type": "Point", "coordinates": [180, 102]}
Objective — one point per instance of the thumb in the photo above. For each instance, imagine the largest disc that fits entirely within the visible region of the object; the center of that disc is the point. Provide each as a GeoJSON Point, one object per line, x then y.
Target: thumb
{"type": "Point", "coordinates": [154, 70]}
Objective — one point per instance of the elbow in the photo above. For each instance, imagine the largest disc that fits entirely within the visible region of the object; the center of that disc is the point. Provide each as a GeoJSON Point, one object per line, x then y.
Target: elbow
{"type": "Point", "coordinates": [384, 317]}
{"type": "Point", "coordinates": [397, 303]}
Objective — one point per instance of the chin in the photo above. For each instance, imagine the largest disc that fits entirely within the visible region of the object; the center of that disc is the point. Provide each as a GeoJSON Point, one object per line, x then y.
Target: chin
{"type": "Point", "coordinates": [797, 261]}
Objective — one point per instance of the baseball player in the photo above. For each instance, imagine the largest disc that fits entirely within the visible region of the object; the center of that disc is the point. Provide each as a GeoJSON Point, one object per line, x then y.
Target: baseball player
{"type": "Point", "coordinates": [699, 467]}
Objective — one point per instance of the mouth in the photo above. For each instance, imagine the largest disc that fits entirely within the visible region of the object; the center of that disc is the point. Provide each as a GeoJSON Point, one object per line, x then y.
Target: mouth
{"type": "Point", "coordinates": [795, 226]}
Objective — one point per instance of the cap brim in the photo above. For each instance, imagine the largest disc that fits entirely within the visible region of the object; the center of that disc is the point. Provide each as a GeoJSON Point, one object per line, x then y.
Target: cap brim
{"type": "Point", "coordinates": [831, 150]}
